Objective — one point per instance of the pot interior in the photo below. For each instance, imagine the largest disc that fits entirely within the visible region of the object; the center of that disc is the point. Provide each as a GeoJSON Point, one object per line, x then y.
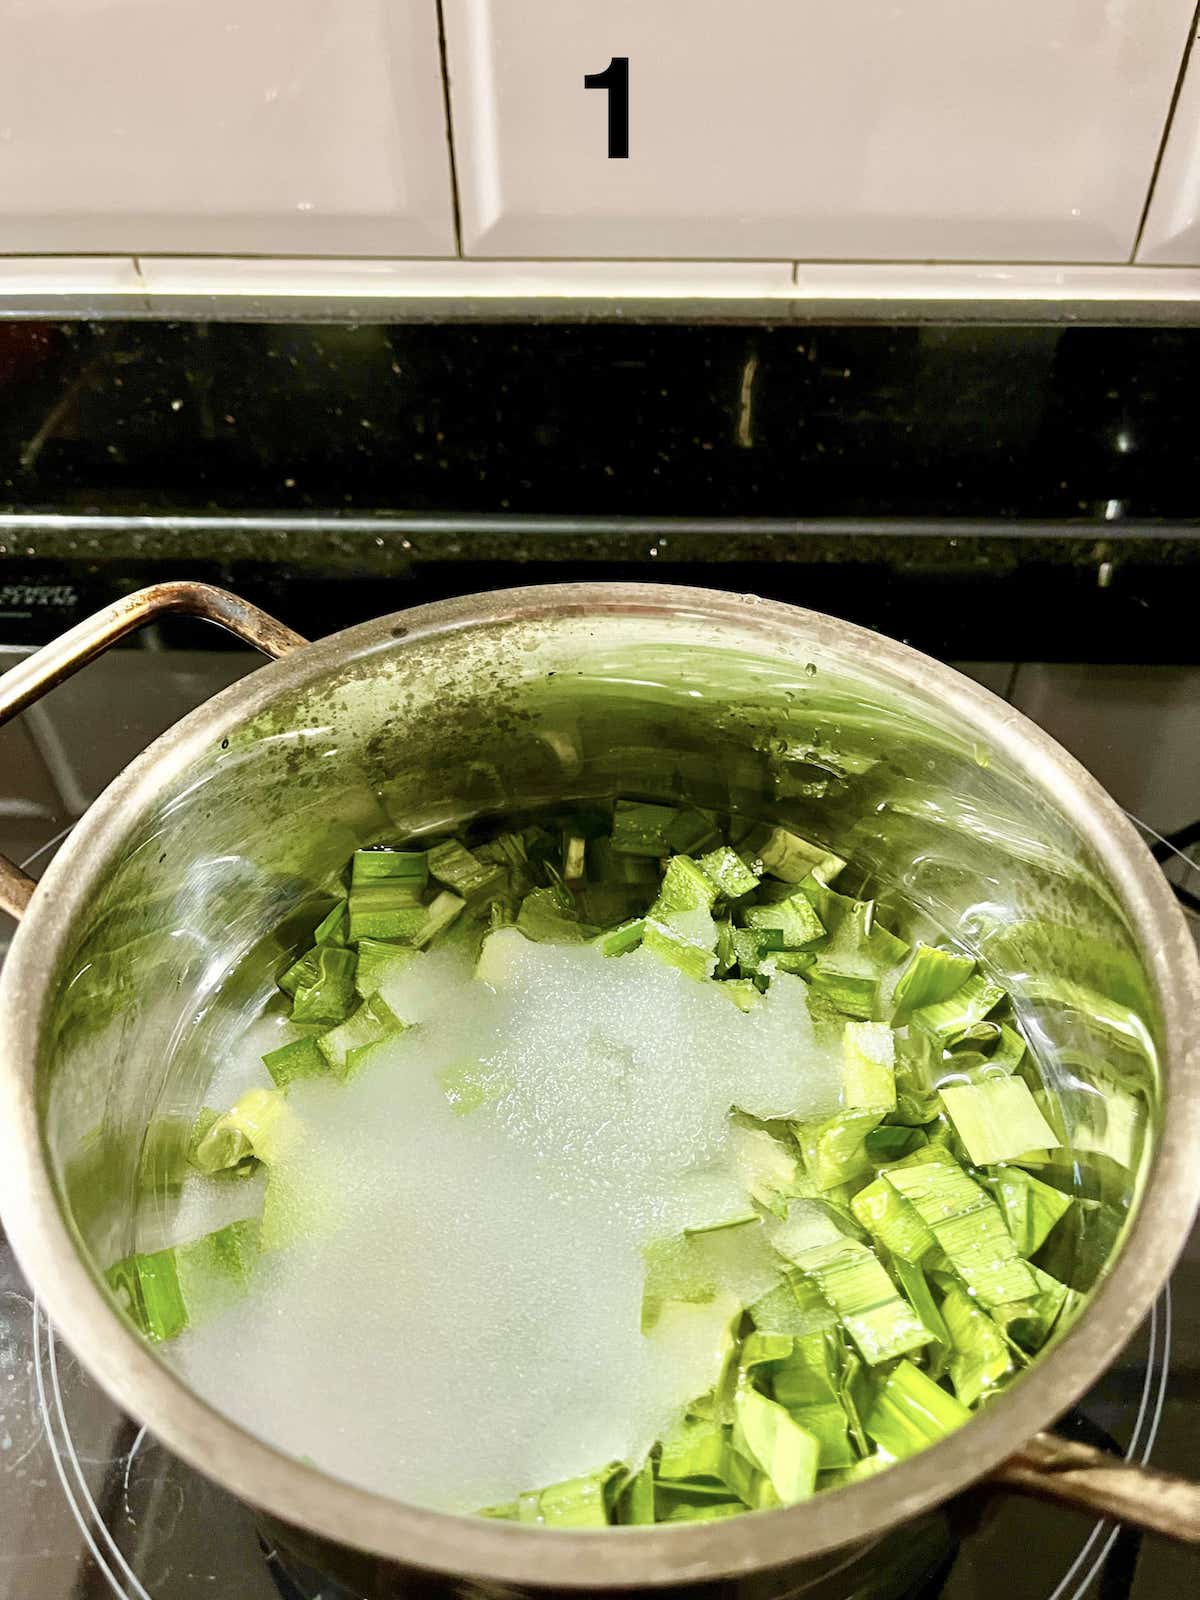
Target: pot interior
{"type": "Point", "coordinates": [211, 865]}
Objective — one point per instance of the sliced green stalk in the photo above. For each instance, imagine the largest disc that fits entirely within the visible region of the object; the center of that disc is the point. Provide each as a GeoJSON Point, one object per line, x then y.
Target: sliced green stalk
{"type": "Point", "coordinates": [742, 992]}
{"type": "Point", "coordinates": [621, 940]}
{"type": "Point", "coordinates": [786, 855]}
{"type": "Point", "coordinates": [453, 865]}
{"type": "Point", "coordinates": [685, 887]}
{"type": "Point", "coordinates": [166, 1291]}
{"type": "Point", "coordinates": [892, 1142]}
{"type": "Point", "coordinates": [954, 1017]}
{"type": "Point", "coordinates": [372, 1022]}
{"type": "Point", "coordinates": [931, 976]}
{"type": "Point", "coordinates": [878, 1319]}
{"type": "Point", "coordinates": [676, 945]}
{"type": "Point", "coordinates": [334, 926]}
{"type": "Point", "coordinates": [910, 1275]}
{"type": "Point", "coordinates": [793, 921]}
{"type": "Point", "coordinates": [329, 994]}
{"type": "Point", "coordinates": [968, 1227]}
{"type": "Point", "coordinates": [227, 1154]}
{"type": "Point", "coordinates": [911, 1411]}
{"type": "Point", "coordinates": [548, 916]}
{"type": "Point", "coordinates": [729, 872]}
{"type": "Point", "coordinates": [997, 1120]}
{"type": "Point", "coordinates": [807, 1385]}
{"type": "Point", "coordinates": [1031, 1208]}
{"type": "Point", "coordinates": [784, 1451]}
{"type": "Point", "coordinates": [302, 1058]}
{"type": "Point", "coordinates": [1029, 1323]}
{"type": "Point", "coordinates": [386, 889]}
{"type": "Point", "coordinates": [693, 830]}
{"type": "Point", "coordinates": [887, 1216]}
{"type": "Point", "coordinates": [868, 1067]}
{"type": "Point", "coordinates": [694, 1448]}
{"type": "Point", "coordinates": [641, 829]}
{"type": "Point", "coordinates": [259, 1119]}
{"type": "Point", "coordinates": [635, 1502]}
{"type": "Point", "coordinates": [834, 1150]}
{"type": "Point", "coordinates": [575, 1503]}
{"type": "Point", "coordinates": [851, 993]}
{"type": "Point", "coordinates": [443, 910]}
{"type": "Point", "coordinates": [979, 1358]}
{"type": "Point", "coordinates": [379, 962]}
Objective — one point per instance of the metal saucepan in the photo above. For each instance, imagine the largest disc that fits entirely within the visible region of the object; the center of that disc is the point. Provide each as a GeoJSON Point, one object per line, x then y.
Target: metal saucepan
{"type": "Point", "coordinates": [155, 933]}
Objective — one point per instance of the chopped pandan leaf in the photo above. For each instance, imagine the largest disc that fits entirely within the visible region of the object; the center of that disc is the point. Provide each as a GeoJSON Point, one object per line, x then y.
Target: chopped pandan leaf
{"type": "Point", "coordinates": [227, 1154]}
{"type": "Point", "coordinates": [693, 830]}
{"type": "Point", "coordinates": [680, 945]}
{"type": "Point", "coordinates": [795, 1307]}
{"type": "Point", "coordinates": [334, 926]}
{"type": "Point", "coordinates": [621, 940]}
{"type": "Point", "coordinates": [329, 994]}
{"type": "Point", "coordinates": [796, 962]}
{"type": "Point", "coordinates": [743, 992]}
{"type": "Point", "coordinates": [916, 1087]}
{"type": "Point", "coordinates": [911, 1277]}
{"type": "Point", "coordinates": [878, 1319]}
{"type": "Point", "coordinates": [766, 1167]}
{"type": "Point", "coordinates": [574, 857]}
{"type": "Point", "coordinates": [607, 904]}
{"type": "Point", "coordinates": [745, 1477]}
{"type": "Point", "coordinates": [979, 1358]}
{"type": "Point", "coordinates": [1029, 1323]}
{"type": "Point", "coordinates": [850, 993]}
{"type": "Point", "coordinates": [868, 1067]}
{"type": "Point", "coordinates": [834, 1150]}
{"type": "Point", "coordinates": [694, 1448]}
{"type": "Point", "coordinates": [386, 889]}
{"type": "Point", "coordinates": [548, 916]}
{"type": "Point", "coordinates": [441, 912]}
{"type": "Point", "coordinates": [575, 1503]}
{"type": "Point", "coordinates": [954, 1017]}
{"type": "Point", "coordinates": [793, 921]}
{"type": "Point", "coordinates": [300, 973]}
{"type": "Point", "coordinates": [889, 1217]}
{"type": "Point", "coordinates": [453, 865]}
{"type": "Point", "coordinates": [842, 1477]}
{"type": "Point", "coordinates": [786, 855]}
{"type": "Point", "coordinates": [729, 872]}
{"type": "Point", "coordinates": [607, 865]}
{"type": "Point", "coordinates": [1010, 1051]}
{"type": "Point", "coordinates": [635, 1502]}
{"type": "Point", "coordinates": [911, 1411]}
{"type": "Point", "coordinates": [807, 1386]}
{"type": "Point", "coordinates": [372, 1022]}
{"type": "Point", "coordinates": [967, 1225]}
{"type": "Point", "coordinates": [749, 951]}
{"type": "Point", "coordinates": [302, 1058]}
{"type": "Point", "coordinates": [166, 1291]}
{"type": "Point", "coordinates": [997, 1120]}
{"type": "Point", "coordinates": [641, 829]}
{"type": "Point", "coordinates": [685, 887]}
{"type": "Point", "coordinates": [379, 962]}
{"type": "Point", "coordinates": [976, 1038]}
{"type": "Point", "coordinates": [931, 976]}
{"type": "Point", "coordinates": [676, 1510]}
{"type": "Point", "coordinates": [892, 1142]}
{"type": "Point", "coordinates": [1031, 1208]}
{"type": "Point", "coordinates": [259, 1117]}
{"type": "Point", "coordinates": [761, 1349]}
{"type": "Point", "coordinates": [787, 1453]}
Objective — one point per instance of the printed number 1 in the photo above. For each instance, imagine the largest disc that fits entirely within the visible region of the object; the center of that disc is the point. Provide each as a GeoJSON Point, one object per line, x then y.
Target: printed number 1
{"type": "Point", "coordinates": [614, 78]}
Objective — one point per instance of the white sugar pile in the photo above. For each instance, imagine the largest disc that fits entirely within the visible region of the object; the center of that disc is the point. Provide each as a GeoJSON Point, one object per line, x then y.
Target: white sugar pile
{"type": "Point", "coordinates": [459, 1319]}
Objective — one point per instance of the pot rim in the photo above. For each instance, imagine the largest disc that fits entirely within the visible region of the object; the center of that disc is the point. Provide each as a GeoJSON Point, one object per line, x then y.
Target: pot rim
{"type": "Point", "coordinates": [616, 1558]}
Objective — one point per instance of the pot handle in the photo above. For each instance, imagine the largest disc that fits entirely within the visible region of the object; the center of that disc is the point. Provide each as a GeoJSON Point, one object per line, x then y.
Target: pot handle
{"type": "Point", "coordinates": [1052, 1468]}
{"type": "Point", "coordinates": [21, 685]}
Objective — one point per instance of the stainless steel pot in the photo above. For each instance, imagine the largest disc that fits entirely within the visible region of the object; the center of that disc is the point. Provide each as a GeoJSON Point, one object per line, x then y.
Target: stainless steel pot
{"type": "Point", "coordinates": [155, 933]}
